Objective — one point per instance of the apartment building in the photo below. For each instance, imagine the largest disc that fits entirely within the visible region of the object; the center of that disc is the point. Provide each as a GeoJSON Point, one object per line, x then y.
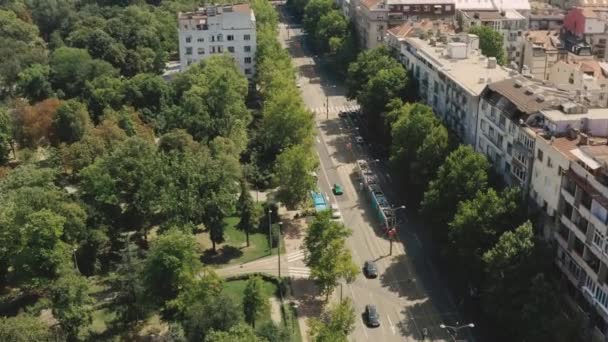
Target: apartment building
{"type": "Point", "coordinates": [508, 122]}
{"type": "Point", "coordinates": [451, 76]}
{"type": "Point", "coordinates": [424, 29]}
{"type": "Point", "coordinates": [589, 25]}
{"type": "Point", "coordinates": [374, 17]}
{"type": "Point", "coordinates": [510, 23]}
{"type": "Point", "coordinates": [546, 20]}
{"type": "Point", "coordinates": [587, 78]}
{"type": "Point", "coordinates": [216, 30]}
{"type": "Point", "coordinates": [541, 50]}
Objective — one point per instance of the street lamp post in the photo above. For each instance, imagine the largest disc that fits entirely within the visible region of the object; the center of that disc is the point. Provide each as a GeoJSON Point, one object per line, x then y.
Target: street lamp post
{"type": "Point", "coordinates": [455, 329]}
{"type": "Point", "coordinates": [279, 249]}
{"type": "Point", "coordinates": [269, 232]}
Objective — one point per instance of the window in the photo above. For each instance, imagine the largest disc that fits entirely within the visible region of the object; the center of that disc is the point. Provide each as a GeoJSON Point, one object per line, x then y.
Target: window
{"type": "Point", "coordinates": [213, 49]}
{"type": "Point", "coordinates": [212, 38]}
{"type": "Point", "coordinates": [231, 49]}
{"type": "Point", "coordinates": [189, 39]}
{"type": "Point", "coordinates": [247, 48]}
{"type": "Point", "coordinates": [188, 50]}
{"type": "Point", "coordinates": [519, 173]}
{"type": "Point", "coordinates": [230, 37]}
{"type": "Point", "coordinates": [539, 155]}
{"type": "Point", "coordinates": [220, 49]}
{"type": "Point", "coordinates": [247, 71]}
{"type": "Point", "coordinates": [200, 51]}
{"type": "Point", "coordinates": [200, 39]}
{"type": "Point", "coordinates": [247, 37]}
{"type": "Point", "coordinates": [549, 162]}
{"type": "Point", "coordinates": [509, 148]}
{"type": "Point", "coordinates": [598, 239]}
{"type": "Point", "coordinates": [507, 167]}
{"type": "Point", "coordinates": [220, 37]}
{"type": "Point", "coordinates": [247, 60]}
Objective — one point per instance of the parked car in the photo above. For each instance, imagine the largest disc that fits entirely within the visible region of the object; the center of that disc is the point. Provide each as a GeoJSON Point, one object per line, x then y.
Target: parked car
{"type": "Point", "coordinates": [337, 189]}
{"type": "Point", "coordinates": [335, 212]}
{"type": "Point", "coordinates": [372, 317]}
{"type": "Point", "coordinates": [342, 114]}
{"type": "Point", "coordinates": [370, 270]}
{"type": "Point", "coordinates": [359, 140]}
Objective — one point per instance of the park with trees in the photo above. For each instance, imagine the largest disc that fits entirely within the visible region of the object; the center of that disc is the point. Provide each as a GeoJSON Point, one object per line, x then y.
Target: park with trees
{"type": "Point", "coordinates": [122, 190]}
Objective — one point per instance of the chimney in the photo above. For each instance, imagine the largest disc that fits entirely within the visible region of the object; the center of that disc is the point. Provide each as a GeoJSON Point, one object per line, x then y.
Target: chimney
{"type": "Point", "coordinates": [584, 139]}
{"type": "Point", "coordinates": [492, 63]}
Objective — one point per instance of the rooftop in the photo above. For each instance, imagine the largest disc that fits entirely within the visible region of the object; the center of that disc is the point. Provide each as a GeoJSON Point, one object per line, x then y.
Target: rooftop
{"type": "Point", "coordinates": [493, 15]}
{"type": "Point", "coordinates": [493, 4]}
{"type": "Point", "coordinates": [593, 3]}
{"type": "Point", "coordinates": [415, 29]}
{"type": "Point", "coordinates": [205, 12]}
{"type": "Point", "coordinates": [472, 72]}
{"type": "Point", "coordinates": [525, 96]}
{"type": "Point", "coordinates": [557, 115]}
{"type": "Point", "coordinates": [549, 40]}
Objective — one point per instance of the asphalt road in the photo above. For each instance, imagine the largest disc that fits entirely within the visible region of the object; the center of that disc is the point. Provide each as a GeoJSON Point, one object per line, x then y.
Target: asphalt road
{"type": "Point", "coordinates": [409, 294]}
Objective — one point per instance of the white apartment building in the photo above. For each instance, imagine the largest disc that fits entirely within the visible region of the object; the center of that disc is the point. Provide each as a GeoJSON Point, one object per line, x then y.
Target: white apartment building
{"type": "Point", "coordinates": [510, 23]}
{"type": "Point", "coordinates": [215, 30]}
{"type": "Point", "coordinates": [451, 77]}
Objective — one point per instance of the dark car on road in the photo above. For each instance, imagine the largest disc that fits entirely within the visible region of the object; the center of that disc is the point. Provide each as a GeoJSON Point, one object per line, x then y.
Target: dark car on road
{"type": "Point", "coordinates": [343, 114]}
{"type": "Point", "coordinates": [372, 317]}
{"type": "Point", "coordinates": [370, 270]}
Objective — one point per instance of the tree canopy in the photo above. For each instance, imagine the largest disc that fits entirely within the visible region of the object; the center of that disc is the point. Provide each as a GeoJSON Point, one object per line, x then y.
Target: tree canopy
{"type": "Point", "coordinates": [491, 42]}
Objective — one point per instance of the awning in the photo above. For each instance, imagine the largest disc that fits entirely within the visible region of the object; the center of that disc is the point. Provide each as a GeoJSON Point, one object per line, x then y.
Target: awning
{"type": "Point", "coordinates": [590, 162]}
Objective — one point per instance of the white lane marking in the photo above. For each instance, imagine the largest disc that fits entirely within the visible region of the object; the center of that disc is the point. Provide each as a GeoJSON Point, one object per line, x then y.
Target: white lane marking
{"type": "Point", "coordinates": [391, 323]}
{"type": "Point", "coordinates": [318, 140]}
{"type": "Point", "coordinates": [295, 256]}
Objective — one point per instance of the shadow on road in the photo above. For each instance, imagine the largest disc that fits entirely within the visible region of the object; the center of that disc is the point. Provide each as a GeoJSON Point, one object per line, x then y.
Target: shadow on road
{"type": "Point", "coordinates": [306, 293]}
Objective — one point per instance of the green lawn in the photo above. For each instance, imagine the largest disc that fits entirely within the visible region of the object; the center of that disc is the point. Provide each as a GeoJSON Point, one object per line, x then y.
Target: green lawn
{"type": "Point", "coordinates": [234, 250]}
{"type": "Point", "coordinates": [236, 288]}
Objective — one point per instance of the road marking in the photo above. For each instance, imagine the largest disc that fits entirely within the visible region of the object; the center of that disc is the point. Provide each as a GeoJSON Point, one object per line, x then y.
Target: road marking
{"type": "Point", "coordinates": [391, 324]}
{"type": "Point", "coordinates": [298, 272]}
{"type": "Point", "coordinates": [295, 256]}
{"type": "Point", "coordinates": [318, 140]}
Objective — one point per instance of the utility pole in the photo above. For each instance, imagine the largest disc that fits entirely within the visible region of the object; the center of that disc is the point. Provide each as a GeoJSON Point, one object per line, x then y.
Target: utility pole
{"type": "Point", "coordinates": [269, 232]}
{"type": "Point", "coordinates": [279, 250]}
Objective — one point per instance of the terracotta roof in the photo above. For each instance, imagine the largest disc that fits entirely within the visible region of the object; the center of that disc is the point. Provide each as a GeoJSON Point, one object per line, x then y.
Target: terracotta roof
{"type": "Point", "coordinates": [588, 13]}
{"type": "Point", "coordinates": [547, 39]}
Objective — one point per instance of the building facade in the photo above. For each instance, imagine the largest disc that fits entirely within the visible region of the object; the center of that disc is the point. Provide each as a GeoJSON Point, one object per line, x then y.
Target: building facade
{"type": "Point", "coordinates": [451, 75]}
{"type": "Point", "coordinates": [215, 30]}
{"type": "Point", "coordinates": [541, 50]}
{"type": "Point", "coordinates": [373, 18]}
{"type": "Point", "coordinates": [510, 23]}
{"type": "Point", "coordinates": [589, 25]}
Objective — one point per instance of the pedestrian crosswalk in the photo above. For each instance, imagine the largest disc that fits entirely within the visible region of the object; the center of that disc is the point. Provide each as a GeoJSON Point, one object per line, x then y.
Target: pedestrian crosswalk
{"type": "Point", "coordinates": [298, 272]}
{"type": "Point", "coordinates": [295, 256]}
{"type": "Point", "coordinates": [348, 107]}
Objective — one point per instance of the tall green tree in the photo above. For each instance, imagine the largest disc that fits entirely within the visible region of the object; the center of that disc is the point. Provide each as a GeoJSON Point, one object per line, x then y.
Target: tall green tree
{"type": "Point", "coordinates": [130, 302]}
{"type": "Point", "coordinates": [463, 173]}
{"type": "Point", "coordinates": [20, 47]}
{"type": "Point", "coordinates": [328, 256]}
{"type": "Point", "coordinates": [335, 324]}
{"type": "Point", "coordinates": [24, 328]}
{"type": "Point", "coordinates": [294, 174]}
{"type": "Point", "coordinates": [477, 225]}
{"type": "Point", "coordinates": [71, 121]}
{"type": "Point", "coordinates": [33, 83]}
{"type": "Point", "coordinates": [72, 305]}
{"type": "Point", "coordinates": [518, 298]}
{"type": "Point", "coordinates": [254, 302]}
{"type": "Point", "coordinates": [219, 313]}
{"type": "Point", "coordinates": [171, 262]}
{"type": "Point", "coordinates": [6, 136]}
{"type": "Point", "coordinates": [250, 214]}
{"type": "Point", "coordinates": [491, 42]}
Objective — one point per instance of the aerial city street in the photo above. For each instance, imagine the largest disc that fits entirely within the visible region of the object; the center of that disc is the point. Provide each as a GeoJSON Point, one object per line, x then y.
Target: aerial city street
{"type": "Point", "coordinates": [304, 170]}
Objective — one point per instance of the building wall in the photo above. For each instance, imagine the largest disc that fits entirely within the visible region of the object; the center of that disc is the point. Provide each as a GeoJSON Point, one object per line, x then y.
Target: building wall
{"type": "Point", "coordinates": [454, 105]}
{"type": "Point", "coordinates": [538, 60]}
{"type": "Point", "coordinates": [196, 45]}
{"type": "Point", "coordinates": [548, 168]}
{"type": "Point", "coordinates": [508, 146]}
